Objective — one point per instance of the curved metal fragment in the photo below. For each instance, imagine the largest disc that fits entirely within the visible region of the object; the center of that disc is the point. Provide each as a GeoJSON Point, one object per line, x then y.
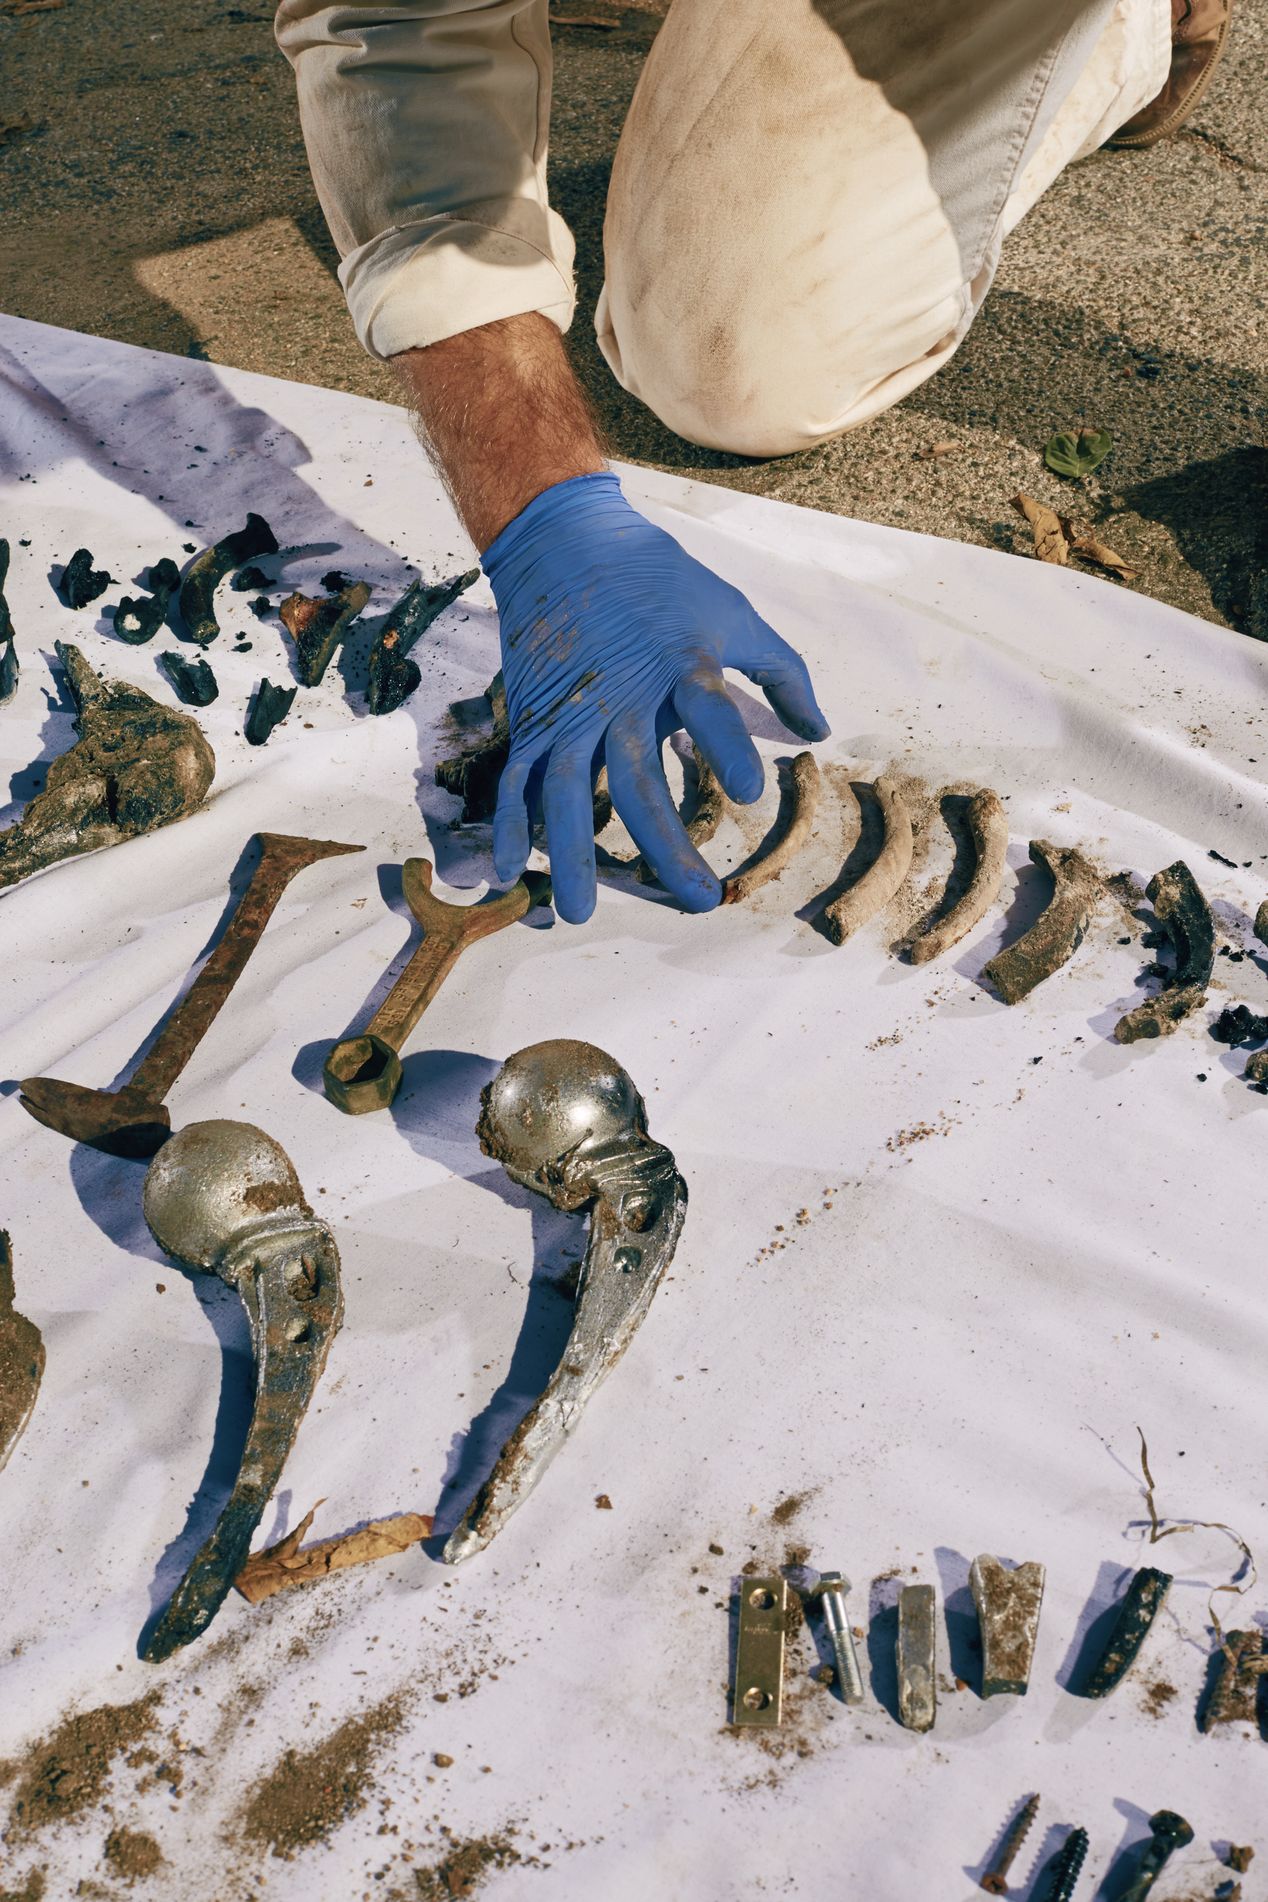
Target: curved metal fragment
{"type": "Point", "coordinates": [805, 786]}
{"type": "Point", "coordinates": [1185, 917]}
{"type": "Point", "coordinates": [988, 824]}
{"type": "Point", "coordinates": [883, 877]}
{"type": "Point", "coordinates": [393, 675]}
{"type": "Point", "coordinates": [565, 1120]}
{"type": "Point", "coordinates": [318, 625]}
{"type": "Point", "coordinates": [136, 766]}
{"type": "Point", "coordinates": [21, 1358]}
{"type": "Point", "coordinates": [1057, 934]}
{"type": "Point", "coordinates": [224, 1197]}
{"type": "Point", "coordinates": [1141, 1604]}
{"type": "Point", "coordinates": [208, 570]}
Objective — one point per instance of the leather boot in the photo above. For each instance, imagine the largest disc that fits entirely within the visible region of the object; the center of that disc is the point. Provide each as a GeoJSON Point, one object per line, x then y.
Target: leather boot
{"type": "Point", "coordinates": [1199, 29]}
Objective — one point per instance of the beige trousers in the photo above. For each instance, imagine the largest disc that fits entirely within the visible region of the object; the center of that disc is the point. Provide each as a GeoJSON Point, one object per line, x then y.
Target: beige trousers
{"type": "Point", "coordinates": [808, 200]}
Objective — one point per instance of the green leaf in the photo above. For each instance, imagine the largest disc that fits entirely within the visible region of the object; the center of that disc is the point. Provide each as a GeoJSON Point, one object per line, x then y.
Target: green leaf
{"type": "Point", "coordinates": [1071, 454]}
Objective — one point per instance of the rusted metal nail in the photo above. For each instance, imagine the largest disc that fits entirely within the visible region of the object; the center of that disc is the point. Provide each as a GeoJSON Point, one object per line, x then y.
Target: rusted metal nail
{"type": "Point", "coordinates": [995, 1879]}
{"type": "Point", "coordinates": [1141, 1604]}
{"type": "Point", "coordinates": [1170, 1832]}
{"type": "Point", "coordinates": [364, 1072]}
{"type": "Point", "coordinates": [1008, 1605]}
{"type": "Point", "coordinates": [831, 1592]}
{"type": "Point", "coordinates": [917, 1640]}
{"type": "Point", "coordinates": [133, 1120]}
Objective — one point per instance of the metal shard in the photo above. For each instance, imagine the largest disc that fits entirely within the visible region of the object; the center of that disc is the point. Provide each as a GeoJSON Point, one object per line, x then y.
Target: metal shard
{"type": "Point", "coordinates": [917, 1638]}
{"type": "Point", "coordinates": [1141, 1604]}
{"type": "Point", "coordinates": [1057, 934]}
{"type": "Point", "coordinates": [224, 1197]}
{"type": "Point", "coordinates": [805, 785]}
{"type": "Point", "coordinates": [988, 825]}
{"type": "Point", "coordinates": [207, 570]}
{"type": "Point", "coordinates": [757, 1696]}
{"type": "Point", "coordinates": [318, 626]}
{"type": "Point", "coordinates": [1185, 917]}
{"type": "Point", "coordinates": [192, 681]}
{"type": "Point", "coordinates": [21, 1358]}
{"type": "Point", "coordinates": [364, 1072]}
{"type": "Point", "coordinates": [883, 877]}
{"type": "Point", "coordinates": [269, 707]}
{"type": "Point", "coordinates": [393, 675]}
{"type": "Point", "coordinates": [565, 1120]}
{"type": "Point", "coordinates": [135, 766]}
{"type": "Point", "coordinates": [1008, 1605]}
{"type": "Point", "coordinates": [133, 1120]}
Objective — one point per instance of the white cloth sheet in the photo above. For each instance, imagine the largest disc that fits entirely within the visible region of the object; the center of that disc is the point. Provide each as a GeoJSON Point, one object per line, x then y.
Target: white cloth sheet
{"type": "Point", "coordinates": [951, 1358]}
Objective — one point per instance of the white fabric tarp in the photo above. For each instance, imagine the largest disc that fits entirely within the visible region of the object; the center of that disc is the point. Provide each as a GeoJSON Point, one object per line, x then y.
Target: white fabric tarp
{"type": "Point", "coordinates": [941, 1259]}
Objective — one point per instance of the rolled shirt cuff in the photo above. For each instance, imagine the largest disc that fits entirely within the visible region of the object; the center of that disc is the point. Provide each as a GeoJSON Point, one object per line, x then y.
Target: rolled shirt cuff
{"type": "Point", "coordinates": [419, 283]}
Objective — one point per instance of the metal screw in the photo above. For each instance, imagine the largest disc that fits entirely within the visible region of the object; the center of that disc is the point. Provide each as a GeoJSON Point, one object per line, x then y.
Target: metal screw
{"type": "Point", "coordinates": [995, 1880]}
{"type": "Point", "coordinates": [831, 1591]}
{"type": "Point", "coordinates": [1065, 1870]}
{"type": "Point", "coordinates": [1169, 1832]}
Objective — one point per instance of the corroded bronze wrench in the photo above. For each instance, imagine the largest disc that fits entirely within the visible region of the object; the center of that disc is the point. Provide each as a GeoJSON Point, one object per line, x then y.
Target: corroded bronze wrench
{"type": "Point", "coordinates": [133, 1120]}
{"type": "Point", "coordinates": [364, 1073]}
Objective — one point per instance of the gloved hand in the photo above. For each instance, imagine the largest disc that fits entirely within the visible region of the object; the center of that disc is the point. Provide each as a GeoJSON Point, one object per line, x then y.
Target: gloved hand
{"type": "Point", "coordinates": [612, 639]}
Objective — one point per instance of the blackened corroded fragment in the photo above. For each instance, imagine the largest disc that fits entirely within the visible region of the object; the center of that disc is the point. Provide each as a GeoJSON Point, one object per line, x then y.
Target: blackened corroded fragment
{"type": "Point", "coordinates": [1240, 1026]}
{"type": "Point", "coordinates": [138, 618]}
{"type": "Point", "coordinates": [8, 653]}
{"type": "Point", "coordinates": [1141, 1604]}
{"type": "Point", "coordinates": [193, 681]}
{"type": "Point", "coordinates": [393, 676]}
{"type": "Point", "coordinates": [474, 774]}
{"type": "Point", "coordinates": [1185, 919]}
{"type": "Point", "coordinates": [318, 627]}
{"type": "Point", "coordinates": [207, 570]}
{"type": "Point", "coordinates": [136, 766]}
{"type": "Point", "coordinates": [270, 705]}
{"type": "Point", "coordinates": [1235, 1699]}
{"type": "Point", "coordinates": [81, 583]}
{"type": "Point", "coordinates": [248, 578]}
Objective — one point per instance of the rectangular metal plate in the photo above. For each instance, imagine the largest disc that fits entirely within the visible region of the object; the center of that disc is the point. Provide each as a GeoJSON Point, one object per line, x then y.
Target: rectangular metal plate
{"type": "Point", "coordinates": [917, 1638]}
{"type": "Point", "coordinates": [758, 1696]}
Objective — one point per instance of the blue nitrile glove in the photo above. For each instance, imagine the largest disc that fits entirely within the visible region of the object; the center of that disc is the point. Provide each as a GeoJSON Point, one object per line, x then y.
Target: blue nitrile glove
{"type": "Point", "coordinates": [612, 639]}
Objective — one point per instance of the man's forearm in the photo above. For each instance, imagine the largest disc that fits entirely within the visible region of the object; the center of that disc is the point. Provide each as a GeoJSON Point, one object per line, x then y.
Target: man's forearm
{"type": "Point", "coordinates": [503, 417]}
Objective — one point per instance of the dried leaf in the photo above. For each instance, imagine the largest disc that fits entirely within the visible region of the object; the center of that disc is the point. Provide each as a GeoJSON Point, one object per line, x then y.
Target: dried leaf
{"type": "Point", "coordinates": [937, 449]}
{"type": "Point", "coordinates": [1071, 453]}
{"type": "Point", "coordinates": [1045, 526]}
{"type": "Point", "coordinates": [1088, 546]}
{"type": "Point", "coordinates": [285, 1564]}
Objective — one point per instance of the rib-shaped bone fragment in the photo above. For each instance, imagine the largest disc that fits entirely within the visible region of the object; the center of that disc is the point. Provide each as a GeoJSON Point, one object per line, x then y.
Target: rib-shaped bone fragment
{"type": "Point", "coordinates": [1185, 917]}
{"type": "Point", "coordinates": [805, 802]}
{"type": "Point", "coordinates": [988, 824]}
{"type": "Point", "coordinates": [319, 625]}
{"type": "Point", "coordinates": [1057, 934]}
{"type": "Point", "coordinates": [883, 877]}
{"type": "Point", "coordinates": [208, 570]}
{"type": "Point", "coordinates": [1235, 1699]}
{"type": "Point", "coordinates": [224, 1197]}
{"type": "Point", "coordinates": [1008, 1605]}
{"type": "Point", "coordinates": [21, 1359]}
{"type": "Point", "coordinates": [709, 808]}
{"type": "Point", "coordinates": [136, 766]}
{"type": "Point", "coordinates": [8, 653]}
{"type": "Point", "coordinates": [917, 1637]}
{"type": "Point", "coordinates": [1141, 1604]}
{"type": "Point", "coordinates": [565, 1121]}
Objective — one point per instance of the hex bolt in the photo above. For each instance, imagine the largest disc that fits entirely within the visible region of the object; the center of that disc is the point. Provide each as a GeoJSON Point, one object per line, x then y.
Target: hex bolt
{"type": "Point", "coordinates": [1065, 1870]}
{"type": "Point", "coordinates": [995, 1879]}
{"type": "Point", "coordinates": [831, 1591]}
{"type": "Point", "coordinates": [1170, 1832]}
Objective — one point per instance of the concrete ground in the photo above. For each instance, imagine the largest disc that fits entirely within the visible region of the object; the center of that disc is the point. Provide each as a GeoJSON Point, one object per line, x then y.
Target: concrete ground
{"type": "Point", "coordinates": [154, 188]}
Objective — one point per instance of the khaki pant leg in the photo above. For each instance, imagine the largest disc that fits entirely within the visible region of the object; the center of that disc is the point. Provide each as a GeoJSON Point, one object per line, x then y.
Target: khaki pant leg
{"type": "Point", "coordinates": [809, 197]}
